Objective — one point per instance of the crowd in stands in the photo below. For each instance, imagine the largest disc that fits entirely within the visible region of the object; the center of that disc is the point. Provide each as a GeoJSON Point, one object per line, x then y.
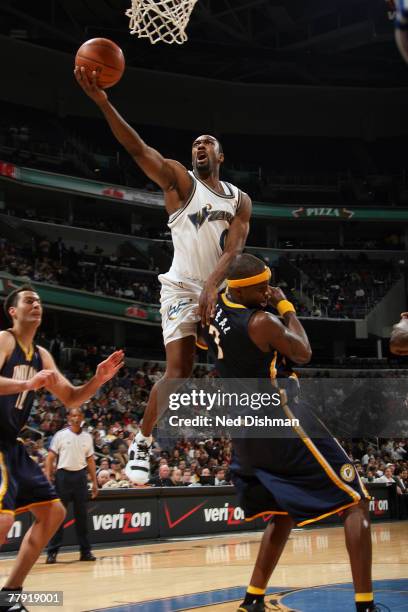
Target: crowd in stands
{"type": "Point", "coordinates": [52, 263]}
{"type": "Point", "coordinates": [345, 287]}
{"type": "Point", "coordinates": [85, 219]}
{"type": "Point", "coordinates": [113, 417]}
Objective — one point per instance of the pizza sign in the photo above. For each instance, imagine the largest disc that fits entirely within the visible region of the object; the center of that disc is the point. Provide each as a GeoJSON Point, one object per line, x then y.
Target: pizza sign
{"type": "Point", "coordinates": [322, 212]}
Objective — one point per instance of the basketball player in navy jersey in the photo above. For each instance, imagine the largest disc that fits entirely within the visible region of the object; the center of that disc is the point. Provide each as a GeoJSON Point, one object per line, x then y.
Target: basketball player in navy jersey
{"type": "Point", "coordinates": [299, 480]}
{"type": "Point", "coordinates": [25, 368]}
{"type": "Point", "coordinates": [209, 222]}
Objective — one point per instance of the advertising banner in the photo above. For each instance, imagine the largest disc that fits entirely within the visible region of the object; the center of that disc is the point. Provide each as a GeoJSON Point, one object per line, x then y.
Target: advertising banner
{"type": "Point", "coordinates": [17, 532]}
{"type": "Point", "coordinates": [116, 520]}
{"type": "Point", "coordinates": [167, 513]}
{"type": "Point", "coordinates": [189, 515]}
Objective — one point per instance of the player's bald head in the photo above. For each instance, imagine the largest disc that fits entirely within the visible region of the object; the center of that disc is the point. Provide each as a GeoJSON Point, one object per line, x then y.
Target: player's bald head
{"type": "Point", "coordinates": [209, 137]}
{"type": "Point", "coordinates": [245, 266]}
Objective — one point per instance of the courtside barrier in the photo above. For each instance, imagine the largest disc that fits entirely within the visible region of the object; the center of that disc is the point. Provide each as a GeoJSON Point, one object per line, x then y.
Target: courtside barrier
{"type": "Point", "coordinates": [129, 515]}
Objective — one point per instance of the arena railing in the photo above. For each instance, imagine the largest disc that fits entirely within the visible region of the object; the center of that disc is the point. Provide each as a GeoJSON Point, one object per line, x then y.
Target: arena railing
{"type": "Point", "coordinates": [138, 197]}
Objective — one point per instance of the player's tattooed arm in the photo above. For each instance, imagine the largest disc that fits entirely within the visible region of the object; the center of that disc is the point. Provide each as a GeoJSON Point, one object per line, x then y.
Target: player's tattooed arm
{"type": "Point", "coordinates": [169, 174]}
{"type": "Point", "coordinates": [399, 336]}
{"type": "Point", "coordinates": [71, 396]}
{"type": "Point", "coordinates": [234, 245]}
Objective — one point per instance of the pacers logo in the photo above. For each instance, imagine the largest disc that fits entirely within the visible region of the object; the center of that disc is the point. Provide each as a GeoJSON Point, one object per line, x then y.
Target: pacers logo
{"type": "Point", "coordinates": [347, 472]}
{"type": "Point", "coordinates": [174, 310]}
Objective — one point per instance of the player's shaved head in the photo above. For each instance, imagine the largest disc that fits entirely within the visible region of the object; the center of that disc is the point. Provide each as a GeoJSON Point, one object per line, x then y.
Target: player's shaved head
{"type": "Point", "coordinates": [244, 266]}
{"type": "Point", "coordinates": [210, 137]}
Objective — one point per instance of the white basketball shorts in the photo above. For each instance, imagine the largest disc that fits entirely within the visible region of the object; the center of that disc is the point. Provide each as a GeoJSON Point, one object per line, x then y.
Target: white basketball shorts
{"type": "Point", "coordinates": [179, 307]}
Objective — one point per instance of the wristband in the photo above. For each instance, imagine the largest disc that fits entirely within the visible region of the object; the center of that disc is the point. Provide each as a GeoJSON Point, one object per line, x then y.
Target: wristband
{"type": "Point", "coordinates": [285, 306]}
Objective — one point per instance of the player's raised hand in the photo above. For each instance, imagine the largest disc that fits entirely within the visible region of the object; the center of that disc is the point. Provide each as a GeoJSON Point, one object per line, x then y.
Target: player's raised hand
{"type": "Point", "coordinates": [43, 378]}
{"type": "Point", "coordinates": [89, 85]}
{"type": "Point", "coordinates": [206, 304]}
{"type": "Point", "coordinates": [110, 367]}
{"type": "Point", "coordinates": [275, 295]}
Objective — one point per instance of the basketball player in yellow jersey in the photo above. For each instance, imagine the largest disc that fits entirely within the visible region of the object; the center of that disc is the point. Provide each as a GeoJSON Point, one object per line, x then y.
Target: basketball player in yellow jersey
{"type": "Point", "coordinates": [209, 222]}
{"type": "Point", "coordinates": [25, 368]}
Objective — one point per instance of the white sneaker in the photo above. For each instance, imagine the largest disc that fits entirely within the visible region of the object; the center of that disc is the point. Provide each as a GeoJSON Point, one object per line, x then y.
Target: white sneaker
{"type": "Point", "coordinates": [138, 467]}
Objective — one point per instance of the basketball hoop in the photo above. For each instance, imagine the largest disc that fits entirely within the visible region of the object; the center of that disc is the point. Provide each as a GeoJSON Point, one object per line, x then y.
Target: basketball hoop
{"type": "Point", "coordinates": [160, 20]}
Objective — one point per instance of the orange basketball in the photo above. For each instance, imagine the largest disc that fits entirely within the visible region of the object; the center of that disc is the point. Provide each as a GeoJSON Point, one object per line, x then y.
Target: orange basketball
{"type": "Point", "coordinates": [103, 56]}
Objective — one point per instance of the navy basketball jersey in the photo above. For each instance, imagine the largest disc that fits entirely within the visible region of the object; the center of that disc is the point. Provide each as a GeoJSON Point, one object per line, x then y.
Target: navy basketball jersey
{"type": "Point", "coordinates": [15, 409]}
{"type": "Point", "coordinates": [235, 354]}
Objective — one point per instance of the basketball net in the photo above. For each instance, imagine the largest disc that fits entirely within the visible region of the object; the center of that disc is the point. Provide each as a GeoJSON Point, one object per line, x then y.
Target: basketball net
{"type": "Point", "coordinates": [160, 20]}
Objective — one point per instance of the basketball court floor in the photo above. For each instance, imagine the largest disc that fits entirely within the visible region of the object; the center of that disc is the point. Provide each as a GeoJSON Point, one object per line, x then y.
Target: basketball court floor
{"type": "Point", "coordinates": [211, 573]}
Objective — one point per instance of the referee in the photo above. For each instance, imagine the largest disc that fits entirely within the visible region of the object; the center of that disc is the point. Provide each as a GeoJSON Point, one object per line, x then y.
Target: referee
{"type": "Point", "coordinates": [74, 451]}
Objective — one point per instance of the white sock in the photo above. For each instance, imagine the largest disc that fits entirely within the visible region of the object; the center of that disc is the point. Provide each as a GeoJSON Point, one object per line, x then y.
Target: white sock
{"type": "Point", "coordinates": [141, 438]}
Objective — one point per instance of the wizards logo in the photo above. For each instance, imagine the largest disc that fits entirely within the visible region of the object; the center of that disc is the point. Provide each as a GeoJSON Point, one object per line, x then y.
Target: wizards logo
{"type": "Point", "coordinates": [198, 218]}
{"type": "Point", "coordinates": [174, 310]}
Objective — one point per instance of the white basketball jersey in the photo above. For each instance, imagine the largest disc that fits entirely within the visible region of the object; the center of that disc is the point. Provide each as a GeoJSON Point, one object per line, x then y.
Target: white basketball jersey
{"type": "Point", "coordinates": [199, 230]}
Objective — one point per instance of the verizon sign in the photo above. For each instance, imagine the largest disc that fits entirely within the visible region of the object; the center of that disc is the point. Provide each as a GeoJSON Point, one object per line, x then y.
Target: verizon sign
{"type": "Point", "coordinates": [126, 522]}
{"type": "Point", "coordinates": [231, 515]}
{"type": "Point", "coordinates": [170, 512]}
{"type": "Point", "coordinates": [112, 520]}
{"type": "Point", "coordinates": [189, 515]}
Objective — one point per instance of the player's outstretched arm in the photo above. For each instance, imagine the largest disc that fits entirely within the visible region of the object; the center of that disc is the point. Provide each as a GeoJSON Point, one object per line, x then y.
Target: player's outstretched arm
{"type": "Point", "coordinates": [73, 397]}
{"type": "Point", "coordinates": [167, 173]}
{"type": "Point", "coordinates": [399, 336]}
{"type": "Point", "coordinates": [288, 338]}
{"type": "Point", "coordinates": [234, 245]}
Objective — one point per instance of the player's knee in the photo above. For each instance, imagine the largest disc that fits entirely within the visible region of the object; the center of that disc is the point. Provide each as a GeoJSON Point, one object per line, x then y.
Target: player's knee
{"type": "Point", "coordinates": [58, 512]}
{"type": "Point", "coordinates": [54, 514]}
{"type": "Point", "coordinates": [6, 523]}
{"type": "Point", "coordinates": [361, 509]}
{"type": "Point", "coordinates": [51, 514]}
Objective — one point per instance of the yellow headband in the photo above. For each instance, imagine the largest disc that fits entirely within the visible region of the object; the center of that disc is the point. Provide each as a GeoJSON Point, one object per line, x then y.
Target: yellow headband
{"type": "Point", "coordinates": [251, 280]}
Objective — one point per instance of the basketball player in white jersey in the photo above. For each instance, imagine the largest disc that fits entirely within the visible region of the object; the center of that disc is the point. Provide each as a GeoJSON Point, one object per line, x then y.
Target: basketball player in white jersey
{"type": "Point", "coordinates": [209, 222]}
